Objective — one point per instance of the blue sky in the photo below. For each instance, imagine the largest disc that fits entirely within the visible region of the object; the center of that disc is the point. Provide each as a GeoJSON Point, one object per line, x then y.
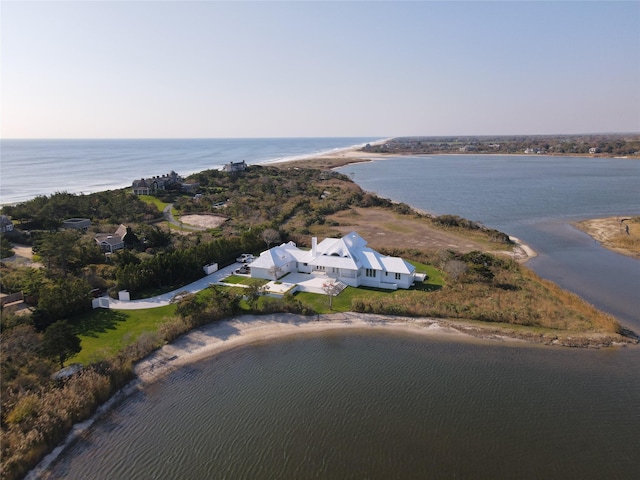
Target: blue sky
{"type": "Point", "coordinates": [152, 69]}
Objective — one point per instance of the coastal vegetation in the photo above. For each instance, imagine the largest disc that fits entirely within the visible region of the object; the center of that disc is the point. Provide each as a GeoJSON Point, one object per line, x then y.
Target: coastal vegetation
{"type": "Point", "coordinates": [601, 145]}
{"type": "Point", "coordinates": [472, 276]}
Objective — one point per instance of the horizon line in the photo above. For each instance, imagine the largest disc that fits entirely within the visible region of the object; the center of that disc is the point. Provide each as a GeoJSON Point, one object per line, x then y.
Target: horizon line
{"type": "Point", "coordinates": [381, 137]}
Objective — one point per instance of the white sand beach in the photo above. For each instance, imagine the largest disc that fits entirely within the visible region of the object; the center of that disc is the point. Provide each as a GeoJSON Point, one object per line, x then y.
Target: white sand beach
{"type": "Point", "coordinates": [244, 330]}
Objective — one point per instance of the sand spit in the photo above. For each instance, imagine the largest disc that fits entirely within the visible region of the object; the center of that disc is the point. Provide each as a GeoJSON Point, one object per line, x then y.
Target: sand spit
{"type": "Point", "coordinates": [611, 232]}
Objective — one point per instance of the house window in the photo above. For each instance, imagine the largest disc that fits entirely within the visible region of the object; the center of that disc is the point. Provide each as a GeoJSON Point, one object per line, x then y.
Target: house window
{"type": "Point", "coordinates": [398, 276]}
{"type": "Point", "coordinates": [370, 272]}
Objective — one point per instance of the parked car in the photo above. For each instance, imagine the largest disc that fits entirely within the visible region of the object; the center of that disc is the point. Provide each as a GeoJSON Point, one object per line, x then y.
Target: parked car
{"type": "Point", "coordinates": [244, 270]}
{"type": "Point", "coordinates": [245, 258]}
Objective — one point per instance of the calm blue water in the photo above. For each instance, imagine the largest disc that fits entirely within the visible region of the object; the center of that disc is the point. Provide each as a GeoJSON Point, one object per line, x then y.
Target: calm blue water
{"type": "Point", "coordinates": [42, 167]}
{"type": "Point", "coordinates": [383, 406]}
{"type": "Point", "coordinates": [534, 198]}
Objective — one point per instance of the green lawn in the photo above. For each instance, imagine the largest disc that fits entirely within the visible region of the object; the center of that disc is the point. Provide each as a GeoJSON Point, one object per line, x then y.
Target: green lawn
{"type": "Point", "coordinates": [154, 201]}
{"type": "Point", "coordinates": [103, 332]}
{"type": "Point", "coordinates": [434, 280]}
{"type": "Point", "coordinates": [342, 302]}
{"type": "Point", "coordinates": [245, 280]}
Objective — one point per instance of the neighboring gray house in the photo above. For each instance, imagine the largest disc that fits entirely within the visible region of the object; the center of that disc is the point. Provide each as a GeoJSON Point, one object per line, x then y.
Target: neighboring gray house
{"type": "Point", "coordinates": [141, 187]}
{"type": "Point", "coordinates": [146, 186]}
{"type": "Point", "coordinates": [6, 225]}
{"type": "Point", "coordinates": [77, 223]}
{"type": "Point", "coordinates": [346, 259]}
{"type": "Point", "coordinates": [110, 242]}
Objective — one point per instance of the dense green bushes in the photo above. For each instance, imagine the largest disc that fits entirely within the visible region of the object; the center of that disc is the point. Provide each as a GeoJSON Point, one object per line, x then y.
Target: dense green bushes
{"type": "Point", "coordinates": [180, 266]}
{"type": "Point", "coordinates": [48, 212]}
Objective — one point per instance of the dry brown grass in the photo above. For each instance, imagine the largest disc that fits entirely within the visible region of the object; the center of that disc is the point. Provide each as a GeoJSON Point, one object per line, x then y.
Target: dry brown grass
{"type": "Point", "coordinates": [386, 229]}
{"type": "Point", "coordinates": [515, 295]}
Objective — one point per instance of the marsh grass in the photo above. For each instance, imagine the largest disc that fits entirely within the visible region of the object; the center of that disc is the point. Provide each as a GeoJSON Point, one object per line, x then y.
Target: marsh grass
{"type": "Point", "coordinates": [514, 296]}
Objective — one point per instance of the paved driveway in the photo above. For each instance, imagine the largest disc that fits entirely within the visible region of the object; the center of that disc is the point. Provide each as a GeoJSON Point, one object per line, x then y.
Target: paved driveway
{"type": "Point", "coordinates": [165, 298]}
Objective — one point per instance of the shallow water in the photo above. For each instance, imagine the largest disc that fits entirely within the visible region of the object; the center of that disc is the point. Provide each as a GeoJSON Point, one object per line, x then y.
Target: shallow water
{"type": "Point", "coordinates": [369, 405]}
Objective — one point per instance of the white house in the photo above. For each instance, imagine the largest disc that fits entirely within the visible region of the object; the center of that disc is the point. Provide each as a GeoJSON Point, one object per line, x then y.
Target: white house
{"type": "Point", "coordinates": [346, 259]}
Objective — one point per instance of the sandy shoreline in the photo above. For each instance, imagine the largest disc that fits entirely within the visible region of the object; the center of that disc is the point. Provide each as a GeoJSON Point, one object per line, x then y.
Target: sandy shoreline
{"type": "Point", "coordinates": [245, 330]}
{"type": "Point", "coordinates": [242, 331]}
{"type": "Point", "coordinates": [609, 231]}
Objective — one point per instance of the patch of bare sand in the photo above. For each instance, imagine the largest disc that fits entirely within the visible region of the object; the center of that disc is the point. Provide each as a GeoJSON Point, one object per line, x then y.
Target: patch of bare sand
{"type": "Point", "coordinates": [612, 233]}
{"type": "Point", "coordinates": [23, 256]}
{"type": "Point", "coordinates": [203, 221]}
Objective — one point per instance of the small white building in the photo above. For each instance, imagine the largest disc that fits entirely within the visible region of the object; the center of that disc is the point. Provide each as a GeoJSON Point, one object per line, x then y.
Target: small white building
{"type": "Point", "coordinates": [347, 260]}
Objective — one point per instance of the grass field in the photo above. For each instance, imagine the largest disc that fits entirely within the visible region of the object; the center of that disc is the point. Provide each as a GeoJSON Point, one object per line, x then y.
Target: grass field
{"type": "Point", "coordinates": [342, 303]}
{"type": "Point", "coordinates": [153, 201]}
{"type": "Point", "coordinates": [104, 332]}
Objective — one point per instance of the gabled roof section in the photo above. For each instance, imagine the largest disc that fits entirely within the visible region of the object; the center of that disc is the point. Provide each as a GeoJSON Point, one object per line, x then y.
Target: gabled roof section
{"type": "Point", "coordinates": [277, 256]}
{"type": "Point", "coordinates": [397, 265]}
{"type": "Point", "coordinates": [345, 252]}
{"type": "Point", "coordinates": [121, 231]}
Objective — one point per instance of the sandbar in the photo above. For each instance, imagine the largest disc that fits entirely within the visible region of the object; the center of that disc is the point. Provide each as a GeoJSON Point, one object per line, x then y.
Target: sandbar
{"type": "Point", "coordinates": [618, 234]}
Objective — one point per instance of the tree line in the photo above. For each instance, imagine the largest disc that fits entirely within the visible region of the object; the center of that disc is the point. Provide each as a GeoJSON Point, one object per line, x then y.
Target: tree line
{"type": "Point", "coordinates": [605, 144]}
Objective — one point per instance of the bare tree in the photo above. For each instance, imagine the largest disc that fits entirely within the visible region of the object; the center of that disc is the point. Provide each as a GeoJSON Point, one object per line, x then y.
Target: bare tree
{"type": "Point", "coordinates": [331, 289]}
{"type": "Point", "coordinates": [275, 270]}
{"type": "Point", "coordinates": [270, 236]}
{"type": "Point", "coordinates": [455, 268]}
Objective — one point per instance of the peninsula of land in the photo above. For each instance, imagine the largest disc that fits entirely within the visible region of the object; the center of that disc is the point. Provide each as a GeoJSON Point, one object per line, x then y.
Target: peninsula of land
{"type": "Point", "coordinates": [619, 234]}
{"type": "Point", "coordinates": [475, 287]}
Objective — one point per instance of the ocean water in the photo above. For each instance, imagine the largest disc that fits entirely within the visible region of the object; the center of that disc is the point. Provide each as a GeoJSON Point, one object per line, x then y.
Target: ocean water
{"type": "Point", "coordinates": [29, 168]}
